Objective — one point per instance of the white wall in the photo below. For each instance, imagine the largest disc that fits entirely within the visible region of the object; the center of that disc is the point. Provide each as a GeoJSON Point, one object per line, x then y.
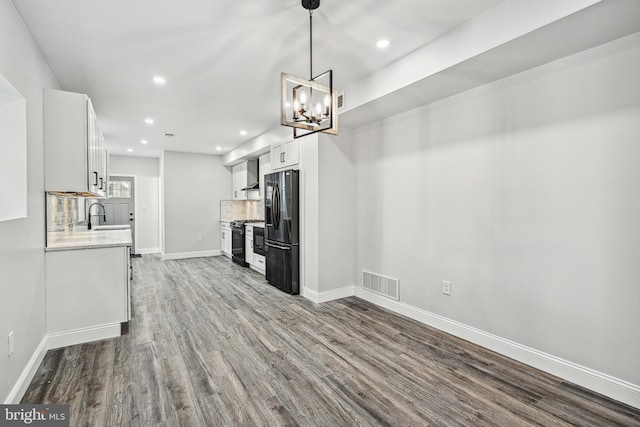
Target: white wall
{"type": "Point", "coordinates": [336, 211]}
{"type": "Point", "coordinates": [22, 241]}
{"type": "Point", "coordinates": [147, 173]}
{"type": "Point", "coordinates": [327, 215]}
{"type": "Point", "coordinates": [525, 195]}
{"type": "Point", "coordinates": [193, 185]}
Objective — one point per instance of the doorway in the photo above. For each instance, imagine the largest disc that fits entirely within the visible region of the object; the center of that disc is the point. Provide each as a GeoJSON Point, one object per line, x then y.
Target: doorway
{"type": "Point", "coordinates": [120, 204]}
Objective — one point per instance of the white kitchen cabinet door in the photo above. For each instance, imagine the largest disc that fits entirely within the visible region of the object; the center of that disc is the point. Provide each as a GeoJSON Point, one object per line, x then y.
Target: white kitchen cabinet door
{"type": "Point", "coordinates": [284, 155]}
{"type": "Point", "coordinates": [258, 263]}
{"type": "Point", "coordinates": [73, 150]}
{"type": "Point", "coordinates": [265, 168]}
{"type": "Point", "coordinates": [243, 175]}
{"type": "Point", "coordinates": [225, 238]}
{"type": "Point", "coordinates": [86, 288]}
{"type": "Point", "coordinates": [239, 178]}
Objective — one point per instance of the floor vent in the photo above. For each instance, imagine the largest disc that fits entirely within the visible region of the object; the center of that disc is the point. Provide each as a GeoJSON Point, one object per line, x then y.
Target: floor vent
{"type": "Point", "coordinates": [383, 285]}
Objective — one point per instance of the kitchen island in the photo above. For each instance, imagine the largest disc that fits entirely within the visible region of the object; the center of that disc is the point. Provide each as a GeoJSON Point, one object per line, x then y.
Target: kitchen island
{"type": "Point", "coordinates": [88, 276]}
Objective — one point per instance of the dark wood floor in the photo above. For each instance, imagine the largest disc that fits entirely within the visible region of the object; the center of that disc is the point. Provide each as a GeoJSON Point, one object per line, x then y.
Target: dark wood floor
{"type": "Point", "coordinates": [212, 344]}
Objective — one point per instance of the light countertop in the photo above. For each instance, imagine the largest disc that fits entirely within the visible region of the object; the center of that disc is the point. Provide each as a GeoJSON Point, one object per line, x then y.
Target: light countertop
{"type": "Point", "coordinates": [57, 240]}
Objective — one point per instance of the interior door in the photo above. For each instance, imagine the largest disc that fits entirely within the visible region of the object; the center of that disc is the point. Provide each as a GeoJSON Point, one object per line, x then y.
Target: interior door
{"type": "Point", "coordinates": [120, 204]}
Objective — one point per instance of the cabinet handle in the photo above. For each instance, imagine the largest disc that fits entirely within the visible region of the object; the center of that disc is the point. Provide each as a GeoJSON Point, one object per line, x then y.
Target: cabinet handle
{"type": "Point", "coordinates": [101, 183]}
{"type": "Point", "coordinates": [96, 176]}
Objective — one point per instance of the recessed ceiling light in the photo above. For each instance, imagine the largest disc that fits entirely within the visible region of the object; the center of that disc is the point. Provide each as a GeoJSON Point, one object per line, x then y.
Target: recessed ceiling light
{"type": "Point", "coordinates": [218, 148]}
{"type": "Point", "coordinates": [159, 80]}
{"type": "Point", "coordinates": [144, 141]}
{"type": "Point", "coordinates": [130, 150]}
{"type": "Point", "coordinates": [148, 121]}
{"type": "Point", "coordinates": [382, 43]}
{"type": "Point", "coordinates": [243, 132]}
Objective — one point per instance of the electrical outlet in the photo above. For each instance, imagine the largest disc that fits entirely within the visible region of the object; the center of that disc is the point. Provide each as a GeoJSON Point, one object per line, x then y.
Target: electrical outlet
{"type": "Point", "coordinates": [199, 238]}
{"type": "Point", "coordinates": [446, 287]}
{"type": "Point", "coordinates": [12, 343]}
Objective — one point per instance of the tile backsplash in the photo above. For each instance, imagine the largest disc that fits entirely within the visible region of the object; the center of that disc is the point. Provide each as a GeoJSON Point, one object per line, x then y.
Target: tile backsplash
{"type": "Point", "coordinates": [64, 213]}
{"type": "Point", "coordinates": [67, 213]}
{"type": "Point", "coordinates": [241, 209]}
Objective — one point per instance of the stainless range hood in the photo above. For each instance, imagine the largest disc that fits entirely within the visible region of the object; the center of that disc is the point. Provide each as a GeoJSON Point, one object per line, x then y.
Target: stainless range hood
{"type": "Point", "coordinates": [254, 186]}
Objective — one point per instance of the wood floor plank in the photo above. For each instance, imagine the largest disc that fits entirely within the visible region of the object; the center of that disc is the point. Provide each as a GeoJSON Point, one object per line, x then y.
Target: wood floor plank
{"type": "Point", "coordinates": [212, 344]}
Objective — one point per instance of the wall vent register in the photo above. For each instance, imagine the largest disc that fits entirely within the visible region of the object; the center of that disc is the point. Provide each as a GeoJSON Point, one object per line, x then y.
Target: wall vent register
{"type": "Point", "coordinates": [381, 284]}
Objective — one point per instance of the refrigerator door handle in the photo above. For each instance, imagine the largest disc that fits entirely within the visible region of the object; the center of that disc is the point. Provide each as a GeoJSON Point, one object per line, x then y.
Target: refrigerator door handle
{"type": "Point", "coordinates": [285, 248]}
{"type": "Point", "coordinates": [271, 211]}
{"type": "Point", "coordinates": [276, 206]}
{"type": "Point", "coordinates": [274, 210]}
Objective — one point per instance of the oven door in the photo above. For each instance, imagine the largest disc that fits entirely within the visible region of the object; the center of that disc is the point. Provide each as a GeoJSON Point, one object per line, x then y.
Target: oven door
{"type": "Point", "coordinates": [237, 245]}
{"type": "Point", "coordinates": [258, 241]}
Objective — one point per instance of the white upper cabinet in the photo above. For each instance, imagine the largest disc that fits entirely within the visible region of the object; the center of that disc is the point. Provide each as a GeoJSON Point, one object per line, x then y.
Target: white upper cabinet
{"type": "Point", "coordinates": [74, 155]}
{"type": "Point", "coordinates": [243, 175]}
{"type": "Point", "coordinates": [284, 154]}
{"type": "Point", "coordinates": [265, 168]}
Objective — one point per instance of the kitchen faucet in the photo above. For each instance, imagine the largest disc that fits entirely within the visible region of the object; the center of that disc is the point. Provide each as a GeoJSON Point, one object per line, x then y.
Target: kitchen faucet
{"type": "Point", "coordinates": [104, 214]}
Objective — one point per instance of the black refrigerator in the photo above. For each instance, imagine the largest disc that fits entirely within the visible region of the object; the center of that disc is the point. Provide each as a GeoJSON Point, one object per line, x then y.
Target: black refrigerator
{"type": "Point", "coordinates": [281, 205]}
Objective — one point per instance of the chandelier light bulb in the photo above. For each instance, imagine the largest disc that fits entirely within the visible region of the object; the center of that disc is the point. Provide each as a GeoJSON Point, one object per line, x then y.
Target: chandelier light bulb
{"type": "Point", "coordinates": [296, 107]}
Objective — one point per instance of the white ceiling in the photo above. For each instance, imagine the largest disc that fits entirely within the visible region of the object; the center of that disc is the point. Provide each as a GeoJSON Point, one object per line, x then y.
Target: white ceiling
{"type": "Point", "coordinates": [222, 59]}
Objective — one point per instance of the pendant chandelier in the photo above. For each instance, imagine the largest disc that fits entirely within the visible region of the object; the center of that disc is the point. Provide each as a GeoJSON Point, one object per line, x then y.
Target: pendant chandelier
{"type": "Point", "coordinates": [310, 106]}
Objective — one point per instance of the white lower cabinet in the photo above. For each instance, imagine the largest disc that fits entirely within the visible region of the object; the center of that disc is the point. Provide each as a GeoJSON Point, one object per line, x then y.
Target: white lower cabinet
{"type": "Point", "coordinates": [225, 238]}
{"type": "Point", "coordinates": [87, 289]}
{"type": "Point", "coordinates": [259, 262]}
{"type": "Point", "coordinates": [255, 261]}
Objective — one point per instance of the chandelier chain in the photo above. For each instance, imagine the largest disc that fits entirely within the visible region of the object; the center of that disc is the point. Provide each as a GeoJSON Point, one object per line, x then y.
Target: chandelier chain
{"type": "Point", "coordinates": [310, 44]}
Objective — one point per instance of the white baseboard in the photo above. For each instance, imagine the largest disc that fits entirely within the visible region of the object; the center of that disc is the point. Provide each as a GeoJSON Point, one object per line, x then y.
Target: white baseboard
{"type": "Point", "coordinates": [604, 384]}
{"type": "Point", "coordinates": [326, 296]}
{"type": "Point", "coordinates": [25, 378]}
{"type": "Point", "coordinates": [607, 385]}
{"type": "Point", "coordinates": [148, 251]}
{"type": "Point", "coordinates": [79, 336]}
{"type": "Point", "coordinates": [184, 255]}
{"type": "Point", "coordinates": [57, 340]}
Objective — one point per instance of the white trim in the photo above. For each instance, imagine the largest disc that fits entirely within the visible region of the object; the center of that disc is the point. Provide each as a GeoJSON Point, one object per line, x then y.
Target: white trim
{"type": "Point", "coordinates": [326, 296]}
{"type": "Point", "coordinates": [200, 254]}
{"type": "Point", "coordinates": [135, 202]}
{"type": "Point", "coordinates": [147, 251]}
{"type": "Point", "coordinates": [57, 340]}
{"type": "Point", "coordinates": [25, 378]}
{"type": "Point", "coordinates": [607, 385]}
{"type": "Point", "coordinates": [84, 335]}
{"type": "Point", "coordinates": [599, 382]}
